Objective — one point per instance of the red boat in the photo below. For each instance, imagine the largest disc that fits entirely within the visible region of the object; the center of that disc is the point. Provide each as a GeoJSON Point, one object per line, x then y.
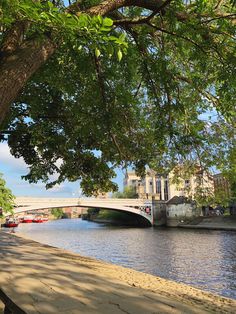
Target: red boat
{"type": "Point", "coordinates": [11, 223]}
{"type": "Point", "coordinates": [27, 219]}
{"type": "Point", "coordinates": [38, 220]}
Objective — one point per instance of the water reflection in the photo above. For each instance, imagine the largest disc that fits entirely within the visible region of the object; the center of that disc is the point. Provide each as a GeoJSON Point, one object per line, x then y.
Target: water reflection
{"type": "Point", "coordinates": [206, 259]}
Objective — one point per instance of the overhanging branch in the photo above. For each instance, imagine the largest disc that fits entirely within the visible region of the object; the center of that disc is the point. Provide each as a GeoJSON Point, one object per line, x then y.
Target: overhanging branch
{"type": "Point", "coordinates": [107, 6]}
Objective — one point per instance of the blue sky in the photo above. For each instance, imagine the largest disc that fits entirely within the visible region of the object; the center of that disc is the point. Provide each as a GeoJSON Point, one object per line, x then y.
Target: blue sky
{"type": "Point", "coordinates": [12, 170]}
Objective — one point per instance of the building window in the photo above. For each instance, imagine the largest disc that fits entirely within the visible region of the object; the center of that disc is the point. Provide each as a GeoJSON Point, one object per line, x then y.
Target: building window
{"type": "Point", "coordinates": [150, 187]}
{"type": "Point", "coordinates": [166, 194]}
{"type": "Point", "coordinates": [158, 188]}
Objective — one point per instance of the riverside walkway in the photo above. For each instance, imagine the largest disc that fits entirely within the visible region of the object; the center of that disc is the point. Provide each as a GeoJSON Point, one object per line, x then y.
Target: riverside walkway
{"type": "Point", "coordinates": [37, 278]}
{"type": "Point", "coordinates": [227, 223]}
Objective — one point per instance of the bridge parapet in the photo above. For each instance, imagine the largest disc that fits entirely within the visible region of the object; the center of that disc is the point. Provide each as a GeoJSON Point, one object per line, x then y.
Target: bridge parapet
{"type": "Point", "coordinates": [126, 201]}
{"type": "Point", "coordinates": [21, 200]}
{"type": "Point", "coordinates": [29, 201]}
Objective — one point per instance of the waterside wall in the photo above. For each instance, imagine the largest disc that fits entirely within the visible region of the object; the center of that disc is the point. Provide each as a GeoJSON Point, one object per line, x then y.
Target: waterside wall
{"type": "Point", "coordinates": [159, 213]}
{"type": "Point", "coordinates": [172, 215]}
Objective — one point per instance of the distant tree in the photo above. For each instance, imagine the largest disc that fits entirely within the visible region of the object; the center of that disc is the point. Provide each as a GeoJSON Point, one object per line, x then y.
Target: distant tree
{"type": "Point", "coordinates": [93, 211]}
{"type": "Point", "coordinates": [221, 198]}
{"type": "Point", "coordinates": [128, 192]}
{"type": "Point", "coordinates": [230, 173]}
{"type": "Point", "coordinates": [6, 197]}
{"type": "Point", "coordinates": [204, 196]}
{"type": "Point", "coordinates": [57, 213]}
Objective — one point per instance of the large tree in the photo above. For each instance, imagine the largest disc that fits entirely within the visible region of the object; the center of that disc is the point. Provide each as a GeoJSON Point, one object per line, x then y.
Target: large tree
{"type": "Point", "coordinates": [89, 85]}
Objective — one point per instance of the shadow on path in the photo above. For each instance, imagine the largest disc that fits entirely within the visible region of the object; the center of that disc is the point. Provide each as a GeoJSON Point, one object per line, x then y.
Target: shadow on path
{"type": "Point", "coordinates": [42, 279]}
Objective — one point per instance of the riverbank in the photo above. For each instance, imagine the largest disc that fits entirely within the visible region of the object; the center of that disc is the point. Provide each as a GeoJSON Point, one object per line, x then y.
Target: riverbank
{"type": "Point", "coordinates": [208, 223]}
{"type": "Point", "coordinates": [44, 279]}
{"type": "Point", "coordinates": [116, 218]}
{"type": "Point", "coordinates": [227, 223]}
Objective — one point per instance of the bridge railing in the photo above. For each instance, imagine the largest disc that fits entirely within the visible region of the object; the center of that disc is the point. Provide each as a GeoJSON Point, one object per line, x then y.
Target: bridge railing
{"type": "Point", "coordinates": [24, 201]}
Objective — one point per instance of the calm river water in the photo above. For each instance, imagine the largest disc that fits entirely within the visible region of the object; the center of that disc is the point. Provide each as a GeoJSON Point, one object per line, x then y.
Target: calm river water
{"type": "Point", "coordinates": [201, 258]}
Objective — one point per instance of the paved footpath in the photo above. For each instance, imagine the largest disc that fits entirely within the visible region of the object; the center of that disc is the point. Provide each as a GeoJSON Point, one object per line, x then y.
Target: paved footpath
{"type": "Point", "coordinates": [43, 279]}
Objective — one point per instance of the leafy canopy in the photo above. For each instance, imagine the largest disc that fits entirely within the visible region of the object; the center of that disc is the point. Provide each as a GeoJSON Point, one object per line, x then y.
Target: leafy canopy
{"type": "Point", "coordinates": [146, 83]}
{"type": "Point", "coordinates": [6, 197]}
{"type": "Point", "coordinates": [128, 192]}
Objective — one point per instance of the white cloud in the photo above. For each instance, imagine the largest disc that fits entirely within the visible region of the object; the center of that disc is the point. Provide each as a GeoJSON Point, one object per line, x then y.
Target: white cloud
{"type": "Point", "coordinates": [7, 160]}
{"type": "Point", "coordinates": [13, 168]}
{"type": "Point", "coordinates": [62, 188]}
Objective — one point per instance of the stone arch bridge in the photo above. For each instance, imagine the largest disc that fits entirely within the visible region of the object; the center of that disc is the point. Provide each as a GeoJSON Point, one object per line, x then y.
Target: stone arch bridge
{"type": "Point", "coordinates": [134, 206]}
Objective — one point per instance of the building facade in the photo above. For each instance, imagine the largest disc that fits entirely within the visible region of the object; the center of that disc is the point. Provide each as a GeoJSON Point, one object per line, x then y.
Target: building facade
{"type": "Point", "coordinates": [163, 187]}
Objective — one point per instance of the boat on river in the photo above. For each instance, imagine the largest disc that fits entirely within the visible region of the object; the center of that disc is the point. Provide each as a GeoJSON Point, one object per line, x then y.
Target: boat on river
{"type": "Point", "coordinates": [11, 223]}
{"type": "Point", "coordinates": [27, 219]}
{"type": "Point", "coordinates": [38, 220]}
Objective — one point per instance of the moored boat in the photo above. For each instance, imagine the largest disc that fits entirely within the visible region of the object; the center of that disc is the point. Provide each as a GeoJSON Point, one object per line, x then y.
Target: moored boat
{"type": "Point", "coordinates": [27, 219]}
{"type": "Point", "coordinates": [38, 220]}
{"type": "Point", "coordinates": [11, 223]}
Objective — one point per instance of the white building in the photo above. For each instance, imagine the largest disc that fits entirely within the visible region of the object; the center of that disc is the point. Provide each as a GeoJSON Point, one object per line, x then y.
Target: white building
{"type": "Point", "coordinates": [164, 187]}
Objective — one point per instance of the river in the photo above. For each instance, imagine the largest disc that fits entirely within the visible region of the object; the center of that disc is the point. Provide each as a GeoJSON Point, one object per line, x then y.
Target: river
{"type": "Point", "coordinates": [201, 258]}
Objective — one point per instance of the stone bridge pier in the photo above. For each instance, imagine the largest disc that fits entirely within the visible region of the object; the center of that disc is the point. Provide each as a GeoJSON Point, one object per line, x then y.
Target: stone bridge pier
{"type": "Point", "coordinates": [159, 213]}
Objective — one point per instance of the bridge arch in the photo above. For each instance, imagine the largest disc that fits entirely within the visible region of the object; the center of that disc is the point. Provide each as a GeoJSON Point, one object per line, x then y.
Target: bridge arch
{"type": "Point", "coordinates": [134, 206]}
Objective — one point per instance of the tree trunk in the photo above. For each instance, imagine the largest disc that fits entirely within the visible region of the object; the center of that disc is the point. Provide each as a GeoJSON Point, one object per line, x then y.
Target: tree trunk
{"type": "Point", "coordinates": [18, 67]}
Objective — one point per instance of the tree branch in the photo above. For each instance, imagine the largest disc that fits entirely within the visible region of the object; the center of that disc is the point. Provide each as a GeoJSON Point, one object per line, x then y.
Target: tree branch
{"type": "Point", "coordinates": [13, 37]}
{"type": "Point", "coordinates": [175, 34]}
{"type": "Point", "coordinates": [137, 20]}
{"type": "Point", "coordinates": [204, 93]}
{"type": "Point", "coordinates": [108, 6]}
{"type": "Point", "coordinates": [100, 79]}
{"type": "Point", "coordinates": [223, 16]}
{"type": "Point", "coordinates": [117, 145]}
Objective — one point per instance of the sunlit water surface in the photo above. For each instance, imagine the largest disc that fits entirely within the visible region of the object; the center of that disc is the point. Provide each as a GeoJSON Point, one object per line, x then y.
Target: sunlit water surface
{"type": "Point", "coordinates": [201, 258]}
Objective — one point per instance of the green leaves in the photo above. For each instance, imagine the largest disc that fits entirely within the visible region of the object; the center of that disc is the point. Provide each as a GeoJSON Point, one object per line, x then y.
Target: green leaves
{"type": "Point", "coordinates": [97, 52]}
{"type": "Point", "coordinates": [119, 54]}
{"type": "Point", "coordinates": [6, 197]}
{"type": "Point", "coordinates": [128, 192]}
{"type": "Point", "coordinates": [106, 24]}
{"type": "Point", "coordinates": [133, 95]}
{"type": "Point", "coordinates": [46, 16]}
{"type": "Point", "coordinates": [57, 213]}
